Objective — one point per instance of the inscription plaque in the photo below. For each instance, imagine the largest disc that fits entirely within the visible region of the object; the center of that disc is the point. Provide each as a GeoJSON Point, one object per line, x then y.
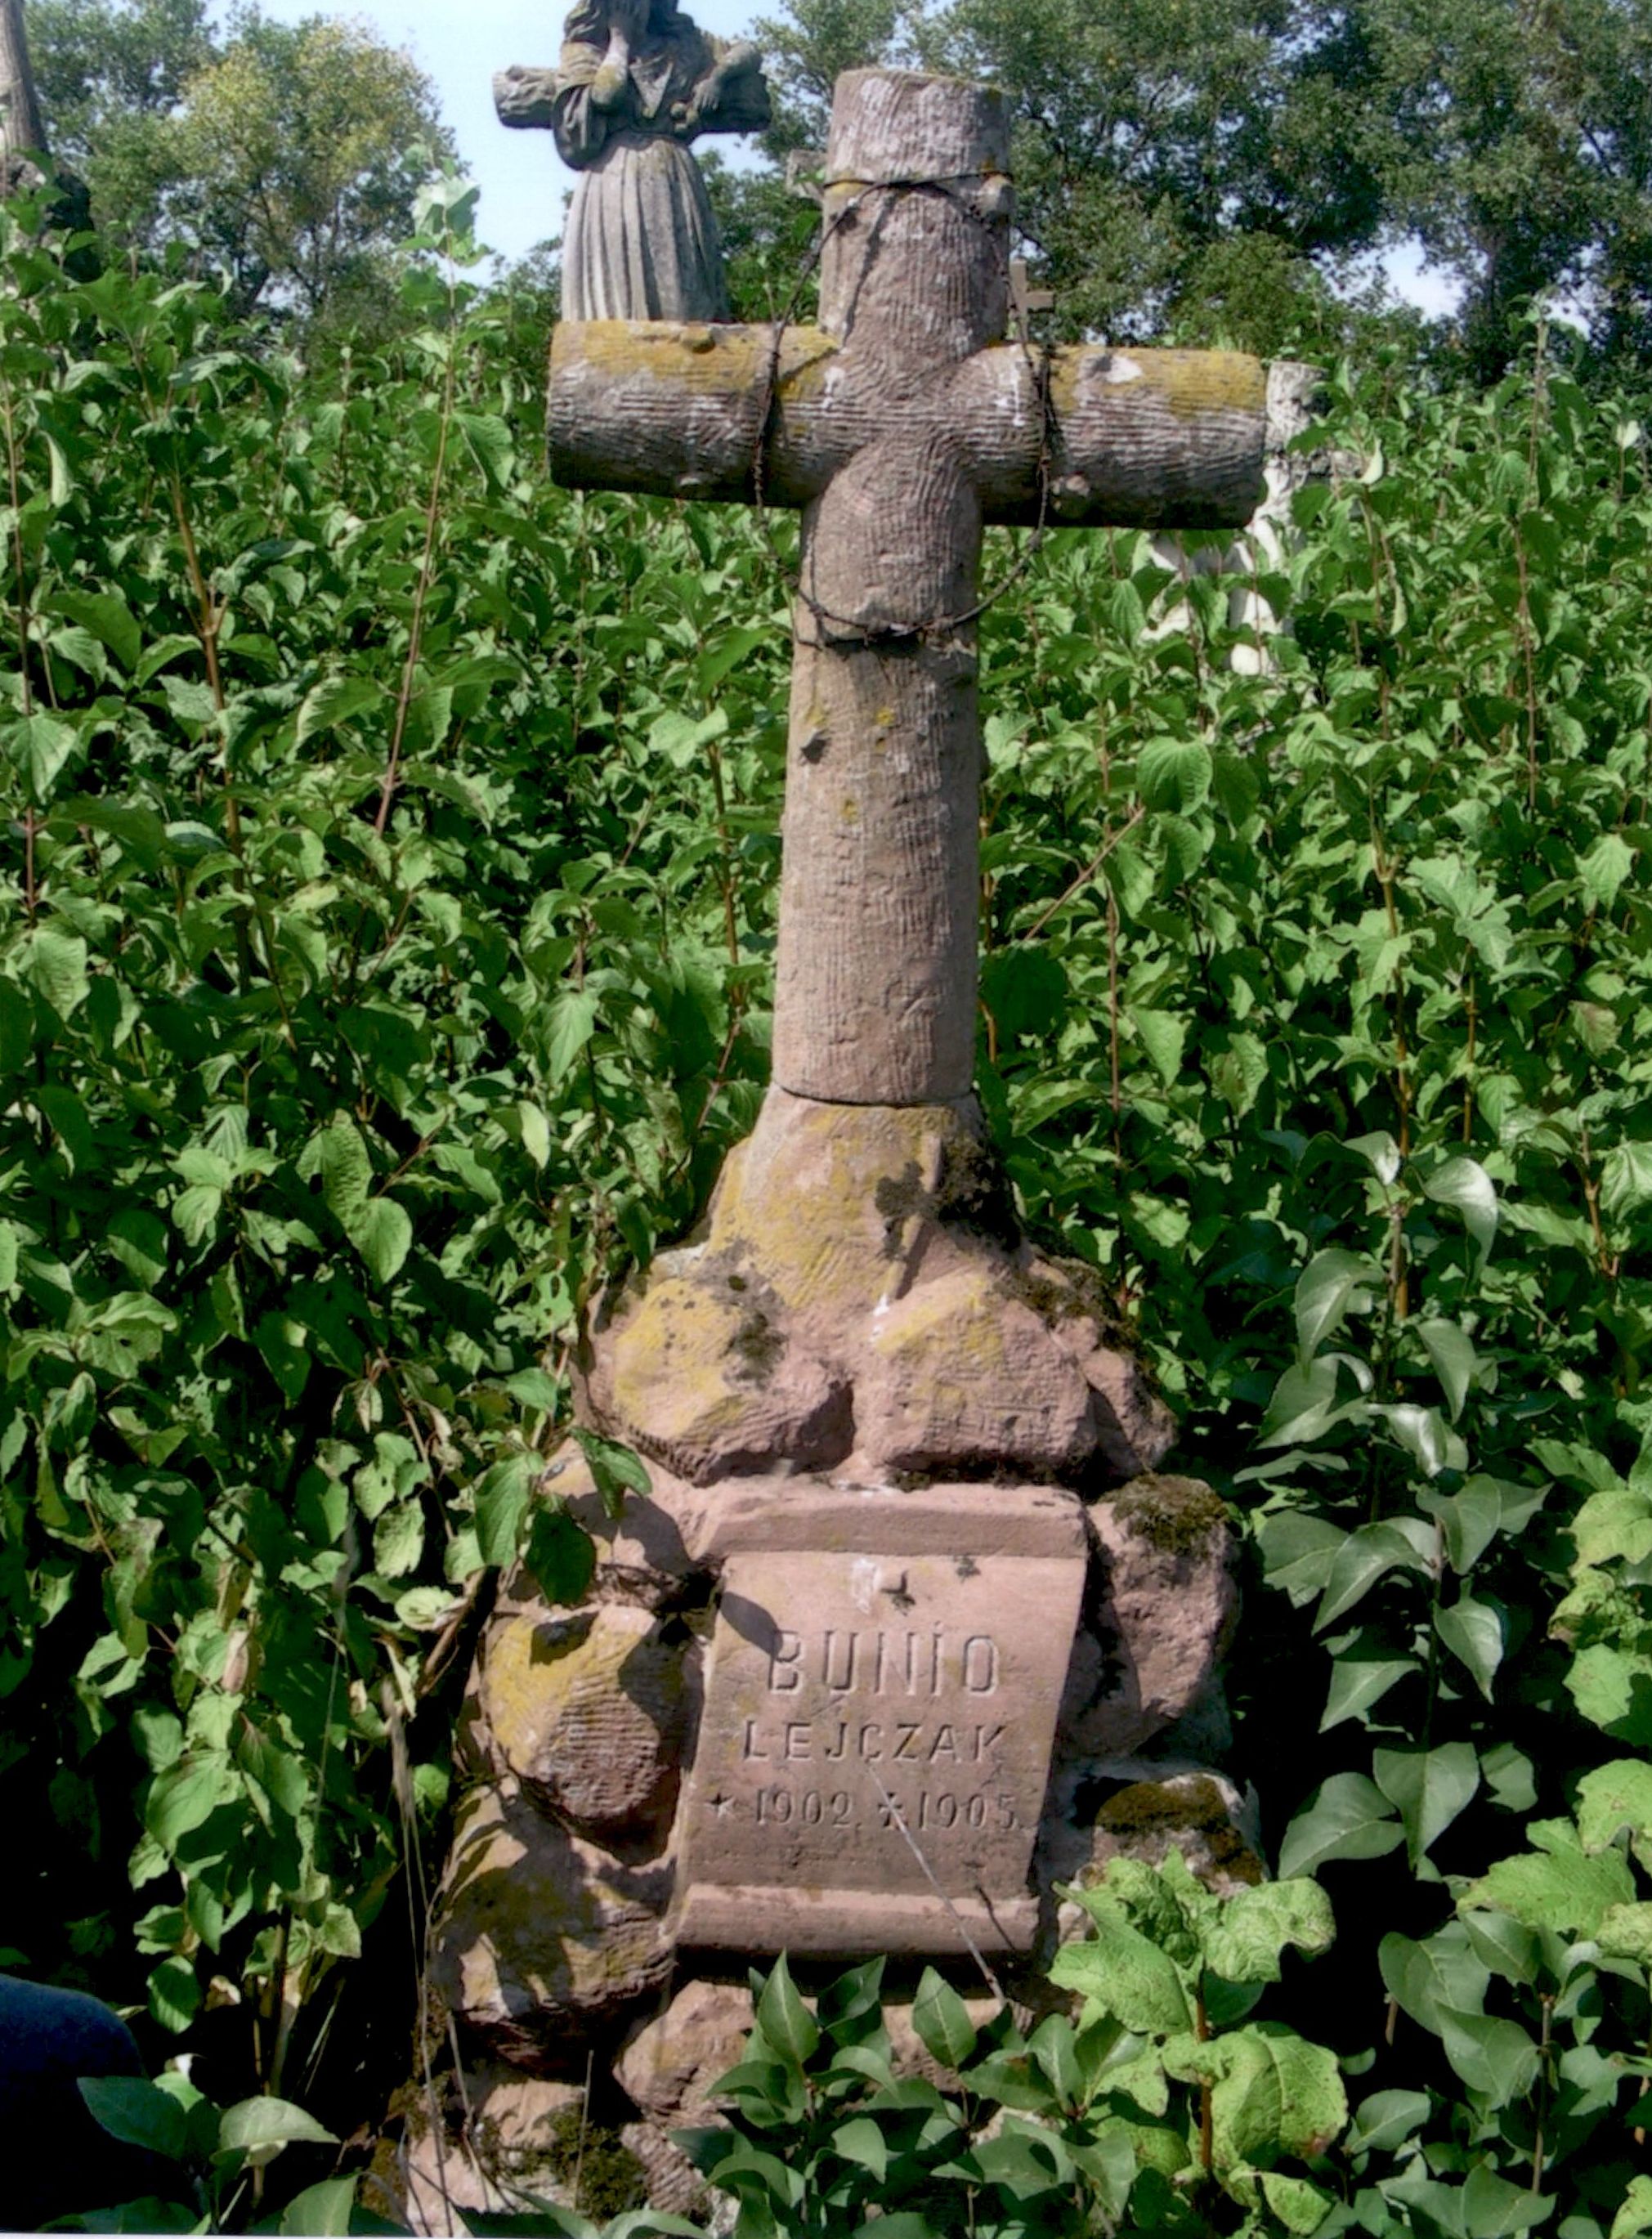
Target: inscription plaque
{"type": "Point", "coordinates": [875, 1744]}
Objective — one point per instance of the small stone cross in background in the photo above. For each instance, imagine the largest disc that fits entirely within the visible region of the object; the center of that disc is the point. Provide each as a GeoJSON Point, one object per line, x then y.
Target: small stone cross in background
{"type": "Point", "coordinates": [1024, 298]}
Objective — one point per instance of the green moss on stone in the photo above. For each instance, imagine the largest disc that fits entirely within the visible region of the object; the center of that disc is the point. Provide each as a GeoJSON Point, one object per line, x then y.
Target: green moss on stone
{"type": "Point", "coordinates": [1188, 1814]}
{"type": "Point", "coordinates": [611, 2178]}
{"type": "Point", "coordinates": [1176, 1515]}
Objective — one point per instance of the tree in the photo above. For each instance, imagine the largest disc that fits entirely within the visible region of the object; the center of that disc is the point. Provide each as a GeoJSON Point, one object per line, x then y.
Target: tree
{"type": "Point", "coordinates": [298, 152]}
{"type": "Point", "coordinates": [110, 73]}
{"type": "Point", "coordinates": [22, 130]}
{"type": "Point", "coordinates": [1143, 136]}
{"type": "Point", "coordinates": [1519, 152]}
{"type": "Point", "coordinates": [285, 156]}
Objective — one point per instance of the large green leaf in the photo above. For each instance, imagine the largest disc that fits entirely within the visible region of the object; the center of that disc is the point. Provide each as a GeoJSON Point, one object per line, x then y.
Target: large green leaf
{"type": "Point", "coordinates": [40, 748]}
{"type": "Point", "coordinates": [786, 2021]}
{"type": "Point", "coordinates": [1129, 1977]}
{"type": "Point", "coordinates": [1464, 1185]}
{"type": "Point", "coordinates": [942, 2021]}
{"type": "Point", "coordinates": [137, 2114]}
{"type": "Point", "coordinates": [1244, 1942]}
{"type": "Point", "coordinates": [1174, 774]}
{"type": "Point", "coordinates": [1474, 1630]}
{"type": "Point", "coordinates": [1428, 1787]}
{"type": "Point", "coordinates": [1426, 1978]}
{"type": "Point", "coordinates": [1332, 1283]}
{"type": "Point", "coordinates": [1272, 2091]}
{"type": "Point", "coordinates": [1347, 1818]}
{"type": "Point", "coordinates": [1569, 1890]}
{"type": "Point", "coordinates": [259, 2127]}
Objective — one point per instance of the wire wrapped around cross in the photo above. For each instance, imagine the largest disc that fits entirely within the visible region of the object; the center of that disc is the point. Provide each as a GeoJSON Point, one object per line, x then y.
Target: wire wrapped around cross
{"type": "Point", "coordinates": [846, 630]}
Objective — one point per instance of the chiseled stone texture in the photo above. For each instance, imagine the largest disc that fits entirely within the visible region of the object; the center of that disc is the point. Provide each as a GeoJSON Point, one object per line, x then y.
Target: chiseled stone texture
{"type": "Point", "coordinates": [1160, 1610]}
{"type": "Point", "coordinates": [670, 2065]}
{"type": "Point", "coordinates": [700, 1375]}
{"type": "Point", "coordinates": [590, 1709]}
{"type": "Point", "coordinates": [880, 1704]}
{"type": "Point", "coordinates": [864, 1298]}
{"type": "Point", "coordinates": [675, 2186]}
{"type": "Point", "coordinates": [540, 1937]}
{"type": "Point", "coordinates": [958, 1374]}
{"type": "Point", "coordinates": [493, 2141]}
{"type": "Point", "coordinates": [668, 2070]}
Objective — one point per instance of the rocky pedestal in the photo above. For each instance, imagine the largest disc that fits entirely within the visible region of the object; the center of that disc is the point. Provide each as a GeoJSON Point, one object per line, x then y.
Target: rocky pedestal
{"type": "Point", "coordinates": [715, 1758]}
{"type": "Point", "coordinates": [871, 1670]}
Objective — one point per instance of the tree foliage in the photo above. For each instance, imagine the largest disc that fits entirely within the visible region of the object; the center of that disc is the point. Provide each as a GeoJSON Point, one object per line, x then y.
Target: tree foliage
{"type": "Point", "coordinates": [284, 157]}
{"type": "Point", "coordinates": [1143, 135]}
{"type": "Point", "coordinates": [1515, 143]}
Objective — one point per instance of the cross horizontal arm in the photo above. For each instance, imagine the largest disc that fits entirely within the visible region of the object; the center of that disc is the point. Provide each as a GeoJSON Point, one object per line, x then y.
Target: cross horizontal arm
{"type": "Point", "coordinates": [1168, 438]}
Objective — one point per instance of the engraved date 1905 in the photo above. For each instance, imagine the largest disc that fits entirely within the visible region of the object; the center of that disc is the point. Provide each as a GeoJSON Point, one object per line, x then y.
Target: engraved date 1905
{"type": "Point", "coordinates": [819, 1807]}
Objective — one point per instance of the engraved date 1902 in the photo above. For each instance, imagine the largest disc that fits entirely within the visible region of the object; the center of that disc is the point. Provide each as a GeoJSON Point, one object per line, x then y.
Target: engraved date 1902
{"type": "Point", "coordinates": [818, 1807]}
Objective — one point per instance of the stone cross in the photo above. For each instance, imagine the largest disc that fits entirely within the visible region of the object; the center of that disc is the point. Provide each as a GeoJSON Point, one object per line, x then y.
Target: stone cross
{"type": "Point", "coordinates": [912, 1452]}
{"type": "Point", "coordinates": [1024, 298]}
{"type": "Point", "coordinates": [900, 426]}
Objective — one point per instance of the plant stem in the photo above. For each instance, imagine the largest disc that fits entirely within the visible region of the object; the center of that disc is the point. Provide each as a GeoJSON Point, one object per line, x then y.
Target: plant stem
{"type": "Point", "coordinates": [1542, 2110]}
{"type": "Point", "coordinates": [730, 927]}
{"type": "Point", "coordinates": [30, 823]}
{"type": "Point", "coordinates": [18, 561]}
{"type": "Point", "coordinates": [421, 589]}
{"type": "Point", "coordinates": [1087, 874]}
{"type": "Point", "coordinates": [1522, 619]}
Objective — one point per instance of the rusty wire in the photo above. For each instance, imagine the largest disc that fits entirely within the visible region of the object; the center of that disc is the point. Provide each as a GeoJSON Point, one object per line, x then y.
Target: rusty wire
{"type": "Point", "coordinates": [844, 630]}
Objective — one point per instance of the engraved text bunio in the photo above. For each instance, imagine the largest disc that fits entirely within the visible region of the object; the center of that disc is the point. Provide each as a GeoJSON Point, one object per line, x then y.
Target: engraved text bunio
{"type": "Point", "coordinates": [859, 1722]}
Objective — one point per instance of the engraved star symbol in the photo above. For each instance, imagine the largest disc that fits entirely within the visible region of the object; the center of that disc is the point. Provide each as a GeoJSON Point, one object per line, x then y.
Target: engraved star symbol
{"type": "Point", "coordinates": [721, 1805]}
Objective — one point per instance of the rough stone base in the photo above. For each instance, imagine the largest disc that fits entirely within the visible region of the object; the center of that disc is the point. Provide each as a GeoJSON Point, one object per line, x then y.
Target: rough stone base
{"type": "Point", "coordinates": [554, 1937]}
{"type": "Point", "coordinates": [496, 2142]}
{"type": "Point", "coordinates": [863, 1300]}
{"type": "Point", "coordinates": [864, 1343]}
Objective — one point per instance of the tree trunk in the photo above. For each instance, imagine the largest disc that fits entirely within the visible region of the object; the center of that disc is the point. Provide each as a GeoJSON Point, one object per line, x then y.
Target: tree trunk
{"type": "Point", "coordinates": [22, 130]}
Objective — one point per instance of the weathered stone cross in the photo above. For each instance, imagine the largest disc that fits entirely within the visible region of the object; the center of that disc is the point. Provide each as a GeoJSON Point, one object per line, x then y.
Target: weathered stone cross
{"type": "Point", "coordinates": [900, 426]}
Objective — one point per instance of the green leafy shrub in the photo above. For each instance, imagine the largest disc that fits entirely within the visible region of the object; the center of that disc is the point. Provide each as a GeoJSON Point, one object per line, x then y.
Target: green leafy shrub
{"type": "Point", "coordinates": [370, 979]}
{"type": "Point", "coordinates": [1158, 2100]}
{"type": "Point", "coordinates": [385, 940]}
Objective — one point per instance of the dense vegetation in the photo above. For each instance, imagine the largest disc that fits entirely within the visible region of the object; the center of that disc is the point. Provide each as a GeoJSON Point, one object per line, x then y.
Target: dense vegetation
{"type": "Point", "coordinates": [385, 926]}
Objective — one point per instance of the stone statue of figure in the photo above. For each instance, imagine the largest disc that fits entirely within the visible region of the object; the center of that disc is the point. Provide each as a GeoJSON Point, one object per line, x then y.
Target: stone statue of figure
{"type": "Point", "coordinates": [637, 81]}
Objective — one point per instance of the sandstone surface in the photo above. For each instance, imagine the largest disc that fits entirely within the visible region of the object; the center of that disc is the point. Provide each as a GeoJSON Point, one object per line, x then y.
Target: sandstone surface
{"type": "Point", "coordinates": [1160, 1611]}
{"type": "Point", "coordinates": [540, 1937]}
{"type": "Point", "coordinates": [590, 1709]}
{"type": "Point", "coordinates": [863, 1298]}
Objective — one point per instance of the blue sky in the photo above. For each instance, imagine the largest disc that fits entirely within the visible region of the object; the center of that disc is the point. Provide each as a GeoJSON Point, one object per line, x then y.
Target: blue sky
{"type": "Point", "coordinates": [459, 43]}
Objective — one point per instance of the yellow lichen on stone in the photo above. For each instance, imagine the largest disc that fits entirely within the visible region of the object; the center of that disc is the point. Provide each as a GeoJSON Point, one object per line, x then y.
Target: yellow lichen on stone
{"type": "Point", "coordinates": [677, 1366]}
{"type": "Point", "coordinates": [587, 1708]}
{"type": "Point", "coordinates": [538, 1932]}
{"type": "Point", "coordinates": [1191, 382]}
{"type": "Point", "coordinates": [819, 1202]}
{"type": "Point", "coordinates": [695, 360]}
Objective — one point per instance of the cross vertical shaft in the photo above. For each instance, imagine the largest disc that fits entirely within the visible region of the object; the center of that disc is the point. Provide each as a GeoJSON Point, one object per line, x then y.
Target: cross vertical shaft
{"type": "Point", "coordinates": [876, 978]}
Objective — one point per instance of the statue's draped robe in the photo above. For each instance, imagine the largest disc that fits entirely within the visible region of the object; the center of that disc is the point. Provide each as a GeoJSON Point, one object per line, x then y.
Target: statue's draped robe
{"type": "Point", "coordinates": [641, 240]}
